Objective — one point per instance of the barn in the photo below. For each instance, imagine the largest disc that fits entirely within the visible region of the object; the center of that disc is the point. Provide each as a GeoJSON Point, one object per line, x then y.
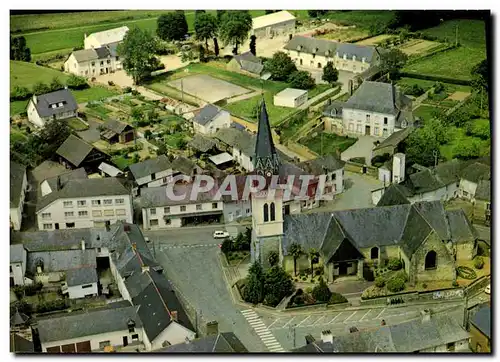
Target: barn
{"type": "Point", "coordinates": [274, 24]}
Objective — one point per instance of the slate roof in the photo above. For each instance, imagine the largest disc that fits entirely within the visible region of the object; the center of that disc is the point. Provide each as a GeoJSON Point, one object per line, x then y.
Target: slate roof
{"type": "Point", "coordinates": [18, 319]}
{"type": "Point", "coordinates": [482, 320]}
{"type": "Point", "coordinates": [424, 181]}
{"type": "Point", "coordinates": [329, 48]}
{"type": "Point", "coordinates": [66, 239]}
{"type": "Point", "coordinates": [416, 230]}
{"type": "Point", "coordinates": [78, 174]}
{"type": "Point", "coordinates": [74, 149]}
{"type": "Point", "coordinates": [16, 253]}
{"type": "Point", "coordinates": [116, 126]}
{"type": "Point", "coordinates": [395, 194]}
{"type": "Point", "coordinates": [395, 139]}
{"type": "Point", "coordinates": [435, 214]}
{"type": "Point", "coordinates": [318, 165]}
{"type": "Point", "coordinates": [17, 172]}
{"type": "Point", "coordinates": [202, 143]}
{"type": "Point", "coordinates": [249, 62]}
{"type": "Point", "coordinates": [87, 323]}
{"type": "Point", "coordinates": [19, 344]}
{"type": "Point", "coordinates": [222, 343]}
{"type": "Point", "coordinates": [85, 275]}
{"type": "Point", "coordinates": [147, 167]}
{"type": "Point", "coordinates": [44, 102]}
{"type": "Point", "coordinates": [266, 157]}
{"type": "Point", "coordinates": [476, 172]}
{"type": "Point", "coordinates": [62, 260]}
{"type": "Point", "coordinates": [108, 186]}
{"type": "Point", "coordinates": [157, 196]}
{"type": "Point", "coordinates": [207, 114]}
{"type": "Point", "coordinates": [184, 165]}
{"type": "Point", "coordinates": [483, 190]}
{"type": "Point", "coordinates": [376, 97]}
{"type": "Point", "coordinates": [85, 55]}
{"type": "Point", "coordinates": [240, 139]}
{"type": "Point", "coordinates": [334, 109]}
{"type": "Point", "coordinates": [460, 226]}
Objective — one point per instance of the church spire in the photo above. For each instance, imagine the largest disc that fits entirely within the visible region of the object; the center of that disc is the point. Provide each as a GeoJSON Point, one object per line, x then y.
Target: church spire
{"type": "Point", "coordinates": [266, 159]}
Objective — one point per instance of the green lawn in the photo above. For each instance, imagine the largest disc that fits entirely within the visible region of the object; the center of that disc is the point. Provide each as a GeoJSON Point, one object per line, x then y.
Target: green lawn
{"type": "Point", "coordinates": [122, 162]}
{"type": "Point", "coordinates": [18, 107]}
{"type": "Point", "coordinates": [406, 83]}
{"type": "Point", "coordinates": [27, 74]}
{"type": "Point", "coordinates": [77, 124]}
{"type": "Point", "coordinates": [471, 33]}
{"type": "Point", "coordinates": [328, 143]}
{"type": "Point", "coordinates": [424, 112]}
{"type": "Point", "coordinates": [458, 137]}
{"type": "Point", "coordinates": [361, 18]}
{"type": "Point", "coordinates": [17, 136]}
{"type": "Point", "coordinates": [174, 139]}
{"type": "Point", "coordinates": [92, 94]}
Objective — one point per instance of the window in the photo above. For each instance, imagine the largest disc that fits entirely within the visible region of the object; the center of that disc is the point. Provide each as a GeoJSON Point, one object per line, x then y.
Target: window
{"type": "Point", "coordinates": [385, 120]}
{"type": "Point", "coordinates": [46, 215]}
{"type": "Point", "coordinates": [135, 337]}
{"type": "Point", "coordinates": [367, 118]}
{"type": "Point", "coordinates": [430, 260]}
{"type": "Point", "coordinates": [104, 344]}
{"type": "Point", "coordinates": [81, 203]}
{"type": "Point", "coordinates": [359, 128]}
{"type": "Point", "coordinates": [153, 222]}
{"type": "Point", "coordinates": [86, 286]}
{"type": "Point", "coordinates": [273, 211]}
{"type": "Point", "coordinates": [183, 208]}
{"type": "Point", "coordinates": [374, 253]}
{"type": "Point", "coordinates": [108, 61]}
{"type": "Point", "coordinates": [70, 225]}
{"type": "Point", "coordinates": [152, 211]}
{"type": "Point", "coordinates": [11, 268]}
{"type": "Point", "coordinates": [131, 328]}
{"type": "Point", "coordinates": [214, 205]}
{"type": "Point", "coordinates": [96, 202]}
{"type": "Point", "coordinates": [334, 176]}
{"type": "Point", "coordinates": [266, 212]}
{"type": "Point", "coordinates": [83, 213]}
{"type": "Point", "coordinates": [109, 212]}
{"type": "Point", "coordinates": [166, 210]}
{"type": "Point", "coordinates": [376, 131]}
{"type": "Point", "coordinates": [248, 211]}
{"type": "Point", "coordinates": [96, 213]}
{"type": "Point", "coordinates": [168, 221]}
{"type": "Point", "coordinates": [119, 201]}
{"type": "Point", "coordinates": [93, 64]}
{"type": "Point", "coordinates": [108, 202]}
{"type": "Point", "coordinates": [198, 207]}
{"type": "Point", "coordinates": [68, 214]}
{"type": "Point", "coordinates": [102, 62]}
{"type": "Point", "coordinates": [450, 346]}
{"type": "Point", "coordinates": [120, 212]}
{"type": "Point", "coordinates": [384, 132]}
{"type": "Point", "coordinates": [117, 58]}
{"type": "Point", "coordinates": [153, 176]}
{"type": "Point", "coordinates": [47, 226]}
{"type": "Point", "coordinates": [68, 203]}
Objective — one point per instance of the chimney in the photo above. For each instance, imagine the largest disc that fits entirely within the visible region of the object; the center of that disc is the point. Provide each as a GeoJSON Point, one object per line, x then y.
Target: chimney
{"type": "Point", "coordinates": [212, 328]}
{"type": "Point", "coordinates": [327, 336]}
{"type": "Point", "coordinates": [145, 268]}
{"type": "Point", "coordinates": [426, 315]}
{"type": "Point", "coordinates": [173, 315]}
{"type": "Point", "coordinates": [83, 244]}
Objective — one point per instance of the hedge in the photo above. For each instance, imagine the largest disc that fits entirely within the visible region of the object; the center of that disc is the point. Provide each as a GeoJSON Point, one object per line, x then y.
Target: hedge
{"type": "Point", "coordinates": [435, 78]}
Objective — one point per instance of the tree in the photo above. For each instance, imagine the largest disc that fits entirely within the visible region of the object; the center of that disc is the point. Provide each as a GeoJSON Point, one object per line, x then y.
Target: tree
{"type": "Point", "coordinates": [19, 50]}
{"type": "Point", "coordinates": [201, 53]}
{"type": "Point", "coordinates": [273, 258]}
{"type": "Point", "coordinates": [254, 288]}
{"type": "Point", "coordinates": [301, 79]}
{"type": "Point", "coordinates": [216, 47]}
{"type": "Point", "coordinates": [295, 250]}
{"type": "Point", "coordinates": [280, 66]}
{"type": "Point", "coordinates": [278, 284]}
{"type": "Point", "coordinates": [316, 13]}
{"type": "Point", "coordinates": [480, 75]}
{"type": "Point", "coordinates": [50, 137]}
{"type": "Point", "coordinates": [219, 14]}
{"type": "Point", "coordinates": [40, 88]}
{"type": "Point", "coordinates": [172, 26]}
{"type": "Point", "coordinates": [270, 11]}
{"type": "Point", "coordinates": [467, 148]}
{"type": "Point", "coordinates": [234, 27]}
{"type": "Point", "coordinates": [421, 145]}
{"type": "Point", "coordinates": [20, 93]}
{"type": "Point", "coordinates": [205, 27]}
{"type": "Point", "coordinates": [392, 61]}
{"type": "Point", "coordinates": [330, 73]}
{"type": "Point", "coordinates": [253, 40]}
{"type": "Point", "coordinates": [136, 113]}
{"type": "Point", "coordinates": [198, 13]}
{"type": "Point", "coordinates": [321, 292]}
{"type": "Point", "coordinates": [56, 84]}
{"type": "Point", "coordinates": [314, 258]}
{"type": "Point", "coordinates": [138, 51]}
{"type": "Point", "coordinates": [76, 82]}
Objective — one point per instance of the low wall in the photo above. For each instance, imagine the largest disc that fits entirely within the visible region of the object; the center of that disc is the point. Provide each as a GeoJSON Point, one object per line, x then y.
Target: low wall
{"type": "Point", "coordinates": [478, 285]}
{"type": "Point", "coordinates": [427, 296]}
{"type": "Point", "coordinates": [358, 168]}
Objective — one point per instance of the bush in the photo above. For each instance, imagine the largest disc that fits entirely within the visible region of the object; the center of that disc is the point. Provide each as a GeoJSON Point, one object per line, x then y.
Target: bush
{"type": "Point", "coordinates": [466, 272]}
{"type": "Point", "coordinates": [309, 290]}
{"type": "Point", "coordinates": [20, 93]}
{"type": "Point", "coordinates": [336, 298]}
{"type": "Point", "coordinates": [134, 92]}
{"type": "Point", "coordinates": [318, 272]}
{"type": "Point", "coordinates": [75, 82]}
{"type": "Point", "coordinates": [478, 262]}
{"type": "Point", "coordinates": [227, 246]}
{"type": "Point", "coordinates": [394, 264]}
{"type": "Point", "coordinates": [50, 306]}
{"type": "Point", "coordinates": [321, 292]}
{"type": "Point", "coordinates": [415, 90]}
{"type": "Point", "coordinates": [111, 83]}
{"type": "Point", "coordinates": [127, 89]}
{"type": "Point", "coordinates": [299, 292]}
{"type": "Point", "coordinates": [396, 284]}
{"type": "Point", "coordinates": [379, 282]}
{"type": "Point", "coordinates": [401, 274]}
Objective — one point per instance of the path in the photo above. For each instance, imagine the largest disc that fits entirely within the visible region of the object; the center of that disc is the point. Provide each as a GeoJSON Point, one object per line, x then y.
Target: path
{"type": "Point", "coordinates": [244, 96]}
{"type": "Point", "coordinates": [362, 148]}
{"type": "Point", "coordinates": [316, 98]}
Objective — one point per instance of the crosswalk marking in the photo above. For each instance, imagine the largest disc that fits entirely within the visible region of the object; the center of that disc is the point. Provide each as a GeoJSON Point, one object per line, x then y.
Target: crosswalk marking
{"type": "Point", "coordinates": [262, 331]}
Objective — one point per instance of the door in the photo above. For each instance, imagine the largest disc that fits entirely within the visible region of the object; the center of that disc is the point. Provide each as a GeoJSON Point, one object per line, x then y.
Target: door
{"type": "Point", "coordinates": [56, 226]}
{"type": "Point", "coordinates": [367, 130]}
{"type": "Point", "coordinates": [83, 347]}
{"type": "Point", "coordinates": [68, 348]}
{"type": "Point", "coordinates": [342, 268]}
{"type": "Point", "coordinates": [125, 341]}
{"type": "Point", "coordinates": [287, 209]}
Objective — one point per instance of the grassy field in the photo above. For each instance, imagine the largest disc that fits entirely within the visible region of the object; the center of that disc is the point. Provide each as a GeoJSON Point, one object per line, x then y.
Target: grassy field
{"type": "Point", "coordinates": [424, 112]}
{"type": "Point", "coordinates": [77, 124]}
{"type": "Point", "coordinates": [375, 39]}
{"type": "Point", "coordinates": [27, 74]}
{"type": "Point", "coordinates": [405, 83]}
{"type": "Point", "coordinates": [345, 35]}
{"type": "Point", "coordinates": [455, 63]}
{"type": "Point", "coordinates": [361, 18]}
{"type": "Point", "coordinates": [328, 143]}
{"type": "Point", "coordinates": [457, 138]}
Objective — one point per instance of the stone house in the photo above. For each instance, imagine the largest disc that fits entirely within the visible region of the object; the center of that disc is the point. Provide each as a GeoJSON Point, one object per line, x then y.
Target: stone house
{"type": "Point", "coordinates": [115, 131]}
{"type": "Point", "coordinates": [106, 37]}
{"type": "Point", "coordinates": [94, 61]}
{"type": "Point", "coordinates": [75, 153]}
{"type": "Point", "coordinates": [424, 236]}
{"type": "Point", "coordinates": [480, 329]}
{"type": "Point", "coordinates": [54, 105]}
{"type": "Point", "coordinates": [18, 188]}
{"type": "Point", "coordinates": [375, 109]}
{"type": "Point", "coordinates": [211, 119]}
{"type": "Point", "coordinates": [470, 178]}
{"type": "Point", "coordinates": [290, 97]}
{"type": "Point", "coordinates": [274, 24]}
{"type": "Point", "coordinates": [246, 63]}
{"type": "Point", "coordinates": [314, 53]}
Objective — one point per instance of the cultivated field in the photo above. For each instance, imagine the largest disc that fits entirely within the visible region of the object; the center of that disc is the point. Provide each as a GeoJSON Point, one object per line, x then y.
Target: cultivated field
{"type": "Point", "coordinates": [418, 46]}
{"type": "Point", "coordinates": [344, 35]}
{"type": "Point", "coordinates": [375, 40]}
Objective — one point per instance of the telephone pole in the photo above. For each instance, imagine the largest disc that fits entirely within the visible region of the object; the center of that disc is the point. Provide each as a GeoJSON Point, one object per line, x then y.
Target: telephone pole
{"type": "Point", "coordinates": [456, 35]}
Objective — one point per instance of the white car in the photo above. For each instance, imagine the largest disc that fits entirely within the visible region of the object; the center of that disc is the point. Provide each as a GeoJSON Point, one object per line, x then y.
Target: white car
{"type": "Point", "coordinates": [487, 290]}
{"type": "Point", "coordinates": [221, 234]}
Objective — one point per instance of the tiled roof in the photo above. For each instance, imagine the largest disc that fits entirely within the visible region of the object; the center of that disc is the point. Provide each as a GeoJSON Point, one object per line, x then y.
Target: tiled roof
{"type": "Point", "coordinates": [64, 96]}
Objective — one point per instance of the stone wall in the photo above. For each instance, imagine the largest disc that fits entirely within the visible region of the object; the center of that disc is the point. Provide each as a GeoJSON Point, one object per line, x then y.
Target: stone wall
{"type": "Point", "coordinates": [445, 265]}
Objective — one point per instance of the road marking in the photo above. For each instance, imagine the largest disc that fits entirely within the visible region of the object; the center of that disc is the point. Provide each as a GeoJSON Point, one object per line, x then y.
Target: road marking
{"type": "Point", "coordinates": [303, 321]}
{"type": "Point", "coordinates": [353, 313]}
{"type": "Point", "coordinates": [378, 316]}
{"type": "Point", "coordinates": [365, 315]}
{"type": "Point", "coordinates": [315, 323]}
{"type": "Point", "coordinates": [290, 321]}
{"type": "Point", "coordinates": [338, 315]}
{"type": "Point", "coordinates": [262, 331]}
{"type": "Point", "coordinates": [269, 326]}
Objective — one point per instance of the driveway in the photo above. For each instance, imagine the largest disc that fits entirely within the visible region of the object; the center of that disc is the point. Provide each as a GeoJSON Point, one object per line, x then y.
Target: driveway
{"type": "Point", "coordinates": [92, 134]}
{"type": "Point", "coordinates": [120, 78]}
{"type": "Point", "coordinates": [362, 148]}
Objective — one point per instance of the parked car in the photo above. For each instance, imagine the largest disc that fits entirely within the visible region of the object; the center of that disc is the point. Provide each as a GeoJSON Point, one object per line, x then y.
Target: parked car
{"type": "Point", "coordinates": [219, 234]}
{"type": "Point", "coordinates": [487, 290]}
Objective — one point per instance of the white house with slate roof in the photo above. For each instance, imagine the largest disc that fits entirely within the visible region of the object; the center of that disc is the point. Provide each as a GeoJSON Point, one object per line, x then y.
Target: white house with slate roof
{"type": "Point", "coordinates": [54, 183]}
{"type": "Point", "coordinates": [106, 37]}
{"type": "Point", "coordinates": [94, 61]}
{"type": "Point", "coordinates": [314, 53]}
{"type": "Point", "coordinates": [85, 203]}
{"type": "Point", "coordinates": [246, 63]}
{"type": "Point", "coordinates": [54, 105]}
{"type": "Point", "coordinates": [211, 119]}
{"type": "Point", "coordinates": [81, 282]}
{"type": "Point", "coordinates": [18, 187]}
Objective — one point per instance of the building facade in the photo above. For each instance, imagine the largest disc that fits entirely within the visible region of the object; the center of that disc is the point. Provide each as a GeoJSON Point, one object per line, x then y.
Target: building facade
{"type": "Point", "coordinates": [211, 119]}
{"type": "Point", "coordinates": [274, 24]}
{"type": "Point", "coordinates": [55, 105]}
{"type": "Point", "coordinates": [93, 62]}
{"type": "Point", "coordinates": [18, 188]}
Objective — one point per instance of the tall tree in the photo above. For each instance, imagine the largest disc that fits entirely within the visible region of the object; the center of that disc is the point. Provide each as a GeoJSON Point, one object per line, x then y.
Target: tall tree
{"type": "Point", "coordinates": [216, 47]}
{"type": "Point", "coordinates": [314, 258]}
{"type": "Point", "coordinates": [278, 285]}
{"type": "Point", "coordinates": [280, 66]}
{"type": "Point", "coordinates": [295, 250]}
{"type": "Point", "coordinates": [234, 27]}
{"type": "Point", "coordinates": [422, 146]}
{"type": "Point", "coordinates": [40, 88]}
{"type": "Point", "coordinates": [19, 50]}
{"type": "Point", "coordinates": [392, 61]}
{"type": "Point", "coordinates": [253, 41]}
{"type": "Point", "coordinates": [205, 27]}
{"type": "Point", "coordinates": [55, 84]}
{"type": "Point", "coordinates": [138, 51]}
{"type": "Point", "coordinates": [330, 73]}
{"type": "Point", "coordinates": [172, 26]}
{"type": "Point", "coordinates": [301, 79]}
{"type": "Point", "coordinates": [254, 288]}
{"type": "Point", "coordinates": [220, 13]}
{"type": "Point", "coordinates": [480, 75]}
{"type": "Point", "coordinates": [198, 12]}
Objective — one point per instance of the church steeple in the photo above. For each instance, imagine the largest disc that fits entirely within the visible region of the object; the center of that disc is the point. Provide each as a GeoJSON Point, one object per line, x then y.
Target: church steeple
{"type": "Point", "coordinates": [266, 161]}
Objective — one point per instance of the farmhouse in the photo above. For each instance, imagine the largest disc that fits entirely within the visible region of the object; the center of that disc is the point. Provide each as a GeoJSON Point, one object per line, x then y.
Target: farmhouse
{"type": "Point", "coordinates": [375, 109]}
{"type": "Point", "coordinates": [290, 97]}
{"type": "Point", "coordinates": [115, 131]}
{"type": "Point", "coordinates": [314, 53]}
{"type": "Point", "coordinates": [54, 105]}
{"type": "Point", "coordinates": [274, 24]}
{"type": "Point", "coordinates": [18, 188]}
{"type": "Point", "coordinates": [76, 153]}
{"type": "Point", "coordinates": [106, 37]}
{"type": "Point", "coordinates": [94, 61]}
{"type": "Point", "coordinates": [210, 119]}
{"type": "Point", "coordinates": [246, 63]}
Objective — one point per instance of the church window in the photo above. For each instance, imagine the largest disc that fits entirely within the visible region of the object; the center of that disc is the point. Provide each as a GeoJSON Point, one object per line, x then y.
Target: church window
{"type": "Point", "coordinates": [430, 260]}
{"type": "Point", "coordinates": [266, 212]}
{"type": "Point", "coordinates": [374, 253]}
{"type": "Point", "coordinates": [273, 211]}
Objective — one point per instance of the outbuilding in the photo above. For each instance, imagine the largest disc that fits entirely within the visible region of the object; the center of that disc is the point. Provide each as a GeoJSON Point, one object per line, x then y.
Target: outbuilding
{"type": "Point", "coordinates": [270, 25]}
{"type": "Point", "coordinates": [290, 97]}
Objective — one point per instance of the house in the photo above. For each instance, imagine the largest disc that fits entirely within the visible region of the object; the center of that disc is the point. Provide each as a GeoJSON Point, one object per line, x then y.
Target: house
{"type": "Point", "coordinates": [211, 119]}
{"type": "Point", "coordinates": [314, 53]}
{"type": "Point", "coordinates": [84, 203]}
{"type": "Point", "coordinates": [391, 145]}
{"type": "Point", "coordinates": [246, 63]}
{"type": "Point", "coordinates": [375, 109]}
{"type": "Point", "coordinates": [115, 131]}
{"type": "Point", "coordinates": [106, 37]}
{"type": "Point", "coordinates": [92, 330]}
{"type": "Point", "coordinates": [54, 105]}
{"type": "Point", "coordinates": [151, 173]}
{"type": "Point", "coordinates": [428, 334]}
{"type": "Point", "coordinates": [161, 211]}
{"type": "Point", "coordinates": [470, 178]}
{"type": "Point", "coordinates": [109, 170]}
{"type": "Point", "coordinates": [55, 183]}
{"type": "Point", "coordinates": [329, 166]}
{"type": "Point", "coordinates": [18, 188]}
{"type": "Point", "coordinates": [274, 24]}
{"type": "Point", "coordinates": [220, 343]}
{"type": "Point", "coordinates": [290, 97]}
{"type": "Point", "coordinates": [480, 329]}
{"type": "Point", "coordinates": [94, 61]}
{"type": "Point", "coordinates": [201, 144]}
{"type": "Point", "coordinates": [75, 152]}
{"type": "Point", "coordinates": [429, 240]}
{"type": "Point", "coordinates": [81, 282]}
{"type": "Point", "coordinates": [18, 259]}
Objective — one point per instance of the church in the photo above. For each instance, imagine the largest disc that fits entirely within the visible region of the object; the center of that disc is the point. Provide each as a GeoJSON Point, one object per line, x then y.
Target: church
{"type": "Point", "coordinates": [429, 240]}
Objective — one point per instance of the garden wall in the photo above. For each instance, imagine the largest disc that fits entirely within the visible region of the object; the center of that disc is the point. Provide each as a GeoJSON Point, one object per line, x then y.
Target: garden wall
{"type": "Point", "coordinates": [435, 78]}
{"type": "Point", "coordinates": [358, 168]}
{"type": "Point", "coordinates": [434, 295]}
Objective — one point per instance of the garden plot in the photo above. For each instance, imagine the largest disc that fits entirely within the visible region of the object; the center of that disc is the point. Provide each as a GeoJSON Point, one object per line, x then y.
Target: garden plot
{"type": "Point", "coordinates": [208, 88]}
{"type": "Point", "coordinates": [375, 40]}
{"type": "Point", "coordinates": [458, 96]}
{"type": "Point", "coordinates": [418, 46]}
